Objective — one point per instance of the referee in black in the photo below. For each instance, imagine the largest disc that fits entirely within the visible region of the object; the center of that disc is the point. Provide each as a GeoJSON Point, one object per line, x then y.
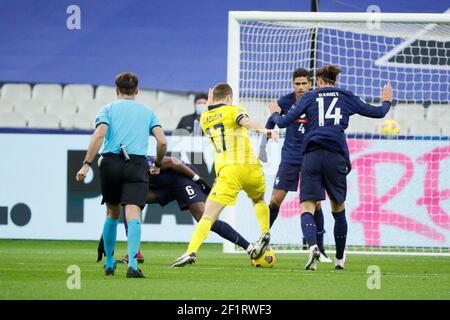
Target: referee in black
{"type": "Point", "coordinates": [124, 126]}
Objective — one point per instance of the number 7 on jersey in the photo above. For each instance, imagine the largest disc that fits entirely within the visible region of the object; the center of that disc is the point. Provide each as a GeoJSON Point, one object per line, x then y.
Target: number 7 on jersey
{"type": "Point", "coordinates": [222, 129]}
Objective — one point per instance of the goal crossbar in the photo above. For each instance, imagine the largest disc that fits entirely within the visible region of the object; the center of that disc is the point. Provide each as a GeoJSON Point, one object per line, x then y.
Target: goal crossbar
{"type": "Point", "coordinates": [340, 17]}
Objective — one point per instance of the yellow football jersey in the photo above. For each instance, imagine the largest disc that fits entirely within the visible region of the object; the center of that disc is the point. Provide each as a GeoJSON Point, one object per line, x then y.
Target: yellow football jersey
{"type": "Point", "coordinates": [230, 141]}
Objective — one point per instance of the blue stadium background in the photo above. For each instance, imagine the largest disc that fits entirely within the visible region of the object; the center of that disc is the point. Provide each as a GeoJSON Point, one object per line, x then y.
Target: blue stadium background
{"type": "Point", "coordinates": [174, 45]}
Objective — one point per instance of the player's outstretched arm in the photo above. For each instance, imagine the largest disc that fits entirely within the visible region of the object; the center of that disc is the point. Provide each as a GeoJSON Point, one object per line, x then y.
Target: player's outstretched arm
{"type": "Point", "coordinates": [94, 146]}
{"type": "Point", "coordinates": [262, 147]}
{"type": "Point", "coordinates": [368, 110]}
{"type": "Point", "coordinates": [169, 163]}
{"type": "Point", "coordinates": [161, 148]}
{"type": "Point", "coordinates": [255, 126]}
{"type": "Point", "coordinates": [210, 100]}
{"type": "Point", "coordinates": [176, 165]}
{"type": "Point", "coordinates": [286, 120]}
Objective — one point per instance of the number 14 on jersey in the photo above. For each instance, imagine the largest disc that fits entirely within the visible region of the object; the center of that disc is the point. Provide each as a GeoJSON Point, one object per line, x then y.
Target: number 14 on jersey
{"type": "Point", "coordinates": [329, 114]}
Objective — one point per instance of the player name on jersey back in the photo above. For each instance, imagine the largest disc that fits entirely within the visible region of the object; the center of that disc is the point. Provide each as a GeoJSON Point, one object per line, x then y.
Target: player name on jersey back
{"type": "Point", "coordinates": [328, 94]}
{"type": "Point", "coordinates": [211, 118]}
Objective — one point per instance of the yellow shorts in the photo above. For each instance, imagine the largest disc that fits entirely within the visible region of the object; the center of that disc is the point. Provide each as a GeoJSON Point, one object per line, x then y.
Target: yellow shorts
{"type": "Point", "coordinates": [236, 177]}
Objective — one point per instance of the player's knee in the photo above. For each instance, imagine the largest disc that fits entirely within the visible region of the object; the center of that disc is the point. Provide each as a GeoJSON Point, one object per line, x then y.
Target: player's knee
{"type": "Point", "coordinates": [196, 211]}
{"type": "Point", "coordinates": [151, 197]}
{"type": "Point", "coordinates": [277, 198]}
{"type": "Point", "coordinates": [308, 206]}
{"type": "Point", "coordinates": [197, 217]}
{"type": "Point", "coordinates": [318, 205]}
{"type": "Point", "coordinates": [132, 212]}
{"type": "Point", "coordinates": [258, 199]}
{"type": "Point", "coordinates": [113, 211]}
{"type": "Point", "coordinates": [276, 201]}
{"type": "Point", "coordinates": [337, 207]}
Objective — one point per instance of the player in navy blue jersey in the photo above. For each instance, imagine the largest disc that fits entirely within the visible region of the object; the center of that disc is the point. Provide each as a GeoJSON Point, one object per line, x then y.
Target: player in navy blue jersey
{"type": "Point", "coordinates": [326, 160]}
{"type": "Point", "coordinates": [179, 181]}
{"type": "Point", "coordinates": [288, 174]}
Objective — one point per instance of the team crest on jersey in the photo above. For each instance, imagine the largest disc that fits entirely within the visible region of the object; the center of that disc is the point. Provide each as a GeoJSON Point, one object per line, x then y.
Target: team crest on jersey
{"type": "Point", "coordinates": [302, 119]}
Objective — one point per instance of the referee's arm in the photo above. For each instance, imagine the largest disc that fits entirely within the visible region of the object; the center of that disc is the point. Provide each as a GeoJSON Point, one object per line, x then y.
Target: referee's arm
{"type": "Point", "coordinates": [94, 147]}
{"type": "Point", "coordinates": [161, 148]}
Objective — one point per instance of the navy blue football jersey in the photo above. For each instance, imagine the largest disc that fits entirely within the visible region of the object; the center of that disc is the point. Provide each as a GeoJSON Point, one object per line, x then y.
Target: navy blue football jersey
{"type": "Point", "coordinates": [292, 151]}
{"type": "Point", "coordinates": [328, 111]}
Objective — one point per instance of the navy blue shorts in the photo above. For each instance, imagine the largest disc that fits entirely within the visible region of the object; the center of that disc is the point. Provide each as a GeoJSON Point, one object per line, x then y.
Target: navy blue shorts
{"type": "Point", "coordinates": [322, 171]}
{"type": "Point", "coordinates": [185, 195]}
{"type": "Point", "coordinates": [287, 177]}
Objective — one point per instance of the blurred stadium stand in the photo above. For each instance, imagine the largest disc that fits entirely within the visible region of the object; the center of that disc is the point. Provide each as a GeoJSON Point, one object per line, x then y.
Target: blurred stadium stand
{"type": "Point", "coordinates": [74, 106]}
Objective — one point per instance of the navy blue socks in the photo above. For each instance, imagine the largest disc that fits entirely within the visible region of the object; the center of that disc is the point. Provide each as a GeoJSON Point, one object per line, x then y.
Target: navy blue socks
{"type": "Point", "coordinates": [273, 214]}
{"type": "Point", "coordinates": [340, 232]}
{"type": "Point", "coordinates": [224, 230]}
{"type": "Point", "coordinates": [309, 228]}
{"type": "Point", "coordinates": [318, 219]}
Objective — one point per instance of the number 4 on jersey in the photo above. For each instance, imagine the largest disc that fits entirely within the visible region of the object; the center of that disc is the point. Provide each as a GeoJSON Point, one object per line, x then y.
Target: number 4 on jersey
{"type": "Point", "coordinates": [329, 115]}
{"type": "Point", "coordinates": [301, 128]}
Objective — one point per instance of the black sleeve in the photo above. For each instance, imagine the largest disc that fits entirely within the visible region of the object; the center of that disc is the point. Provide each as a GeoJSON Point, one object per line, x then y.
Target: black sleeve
{"type": "Point", "coordinates": [181, 124]}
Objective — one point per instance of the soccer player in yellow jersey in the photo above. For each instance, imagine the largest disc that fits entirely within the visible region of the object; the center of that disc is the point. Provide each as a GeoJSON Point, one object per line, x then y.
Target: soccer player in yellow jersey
{"type": "Point", "coordinates": [237, 168]}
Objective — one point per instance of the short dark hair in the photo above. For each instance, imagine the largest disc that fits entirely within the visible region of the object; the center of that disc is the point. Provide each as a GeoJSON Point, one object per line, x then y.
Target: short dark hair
{"type": "Point", "coordinates": [328, 73]}
{"type": "Point", "coordinates": [300, 72]}
{"type": "Point", "coordinates": [199, 96]}
{"type": "Point", "coordinates": [127, 83]}
{"type": "Point", "coordinates": [222, 90]}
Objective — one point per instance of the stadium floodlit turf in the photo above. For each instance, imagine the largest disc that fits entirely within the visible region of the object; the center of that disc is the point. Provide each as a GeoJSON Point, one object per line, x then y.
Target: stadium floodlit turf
{"type": "Point", "coordinates": [38, 270]}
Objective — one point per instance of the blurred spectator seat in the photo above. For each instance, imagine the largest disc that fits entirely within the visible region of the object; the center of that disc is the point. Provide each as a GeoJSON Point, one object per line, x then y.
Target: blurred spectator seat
{"type": "Point", "coordinates": [78, 121]}
{"type": "Point", "coordinates": [90, 108]}
{"type": "Point", "coordinates": [105, 93]}
{"type": "Point", "coordinates": [420, 127]}
{"type": "Point", "coordinates": [147, 97]}
{"type": "Point", "coordinates": [78, 92]}
{"type": "Point", "coordinates": [29, 107]}
{"type": "Point", "coordinates": [16, 91]}
{"type": "Point", "coordinates": [408, 112]}
{"type": "Point", "coordinates": [6, 107]}
{"type": "Point", "coordinates": [13, 120]}
{"type": "Point", "coordinates": [164, 96]}
{"type": "Point", "coordinates": [43, 121]}
{"type": "Point", "coordinates": [45, 92]}
{"type": "Point", "coordinates": [62, 107]}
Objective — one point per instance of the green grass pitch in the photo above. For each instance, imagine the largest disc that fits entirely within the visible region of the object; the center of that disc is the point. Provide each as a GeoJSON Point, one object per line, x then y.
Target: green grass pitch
{"type": "Point", "coordinates": [38, 270]}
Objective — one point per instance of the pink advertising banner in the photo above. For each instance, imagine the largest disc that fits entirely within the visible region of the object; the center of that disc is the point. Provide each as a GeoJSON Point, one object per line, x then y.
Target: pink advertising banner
{"type": "Point", "coordinates": [398, 195]}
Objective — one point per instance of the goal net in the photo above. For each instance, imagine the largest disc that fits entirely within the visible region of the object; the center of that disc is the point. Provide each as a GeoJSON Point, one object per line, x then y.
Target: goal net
{"type": "Point", "coordinates": [399, 189]}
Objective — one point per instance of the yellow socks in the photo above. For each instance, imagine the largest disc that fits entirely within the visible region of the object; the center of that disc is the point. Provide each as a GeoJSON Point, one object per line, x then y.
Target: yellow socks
{"type": "Point", "coordinates": [200, 234]}
{"type": "Point", "coordinates": [263, 215]}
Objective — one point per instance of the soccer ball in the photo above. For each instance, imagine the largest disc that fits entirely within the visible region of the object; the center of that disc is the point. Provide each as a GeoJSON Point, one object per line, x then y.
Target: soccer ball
{"type": "Point", "coordinates": [267, 260]}
{"type": "Point", "coordinates": [390, 128]}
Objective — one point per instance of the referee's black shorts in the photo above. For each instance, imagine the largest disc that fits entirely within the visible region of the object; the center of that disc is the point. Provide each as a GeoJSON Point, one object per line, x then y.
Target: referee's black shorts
{"type": "Point", "coordinates": [124, 182]}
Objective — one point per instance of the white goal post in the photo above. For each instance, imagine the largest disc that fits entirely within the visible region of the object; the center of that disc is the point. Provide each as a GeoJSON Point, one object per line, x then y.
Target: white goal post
{"type": "Point", "coordinates": [399, 189]}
